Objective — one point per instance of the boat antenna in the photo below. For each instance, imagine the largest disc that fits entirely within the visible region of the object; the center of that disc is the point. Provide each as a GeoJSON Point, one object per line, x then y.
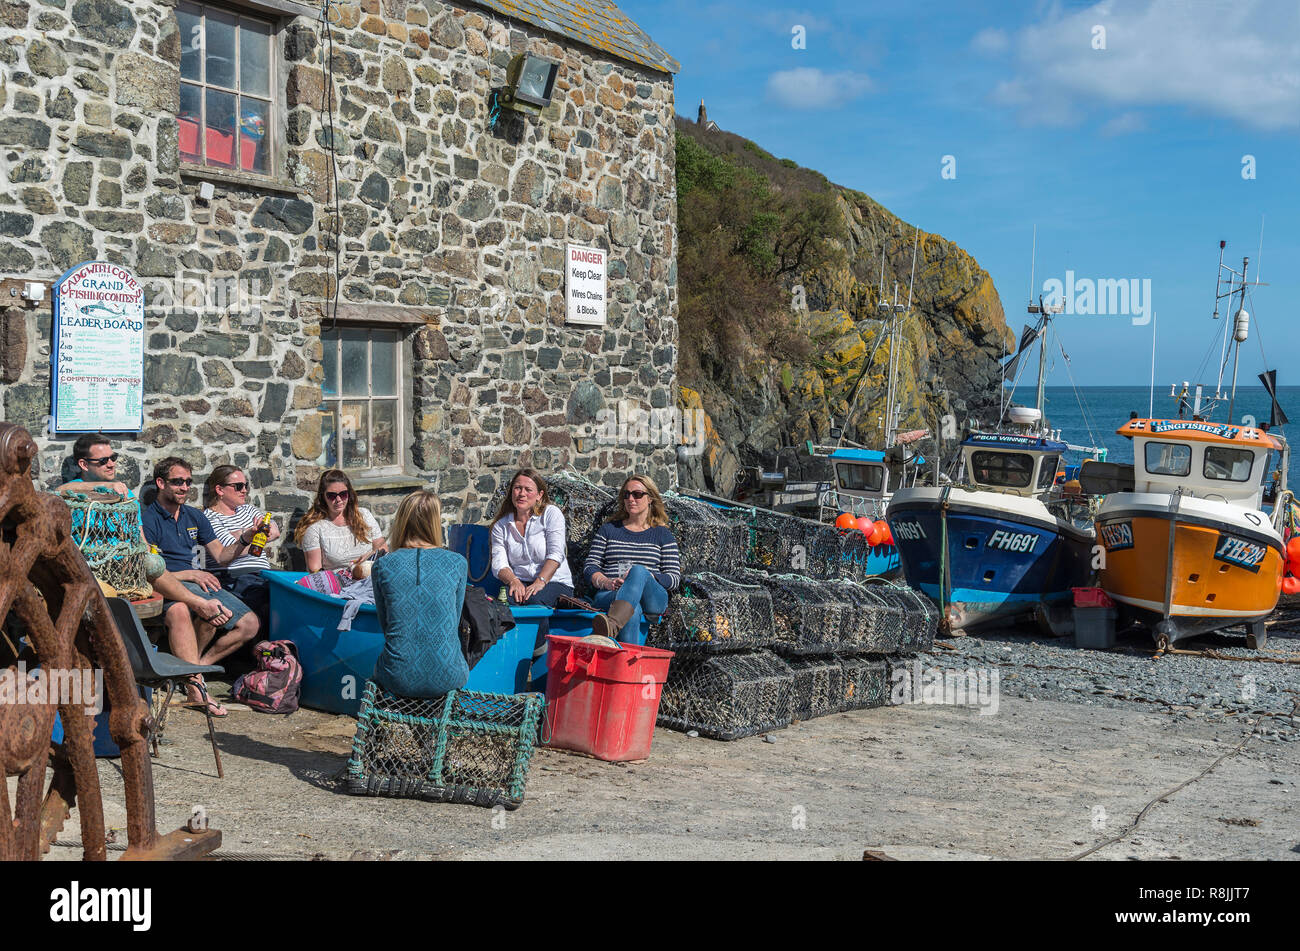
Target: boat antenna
{"type": "Point", "coordinates": [1033, 259]}
{"type": "Point", "coordinates": [1151, 405]}
{"type": "Point", "coordinates": [1223, 350]}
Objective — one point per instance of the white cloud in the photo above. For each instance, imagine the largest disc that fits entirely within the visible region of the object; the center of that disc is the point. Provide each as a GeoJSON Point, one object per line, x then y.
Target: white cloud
{"type": "Point", "coordinates": [991, 41]}
{"type": "Point", "coordinates": [1239, 60]}
{"type": "Point", "coordinates": [808, 88]}
{"type": "Point", "coordinates": [1123, 124]}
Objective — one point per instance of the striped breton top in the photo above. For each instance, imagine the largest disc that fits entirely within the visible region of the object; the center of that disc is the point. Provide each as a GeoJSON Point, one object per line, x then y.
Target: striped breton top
{"type": "Point", "coordinates": [655, 548]}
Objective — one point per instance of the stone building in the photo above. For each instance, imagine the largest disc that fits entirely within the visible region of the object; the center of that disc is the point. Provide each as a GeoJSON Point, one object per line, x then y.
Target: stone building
{"type": "Point", "coordinates": [217, 149]}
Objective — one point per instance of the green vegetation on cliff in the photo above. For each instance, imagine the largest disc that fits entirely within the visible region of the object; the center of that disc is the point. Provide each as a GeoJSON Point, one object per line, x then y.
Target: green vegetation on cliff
{"type": "Point", "coordinates": [779, 319]}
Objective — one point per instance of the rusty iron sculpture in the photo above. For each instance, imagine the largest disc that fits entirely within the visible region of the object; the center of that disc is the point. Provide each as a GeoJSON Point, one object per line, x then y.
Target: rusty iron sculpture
{"type": "Point", "coordinates": [48, 587]}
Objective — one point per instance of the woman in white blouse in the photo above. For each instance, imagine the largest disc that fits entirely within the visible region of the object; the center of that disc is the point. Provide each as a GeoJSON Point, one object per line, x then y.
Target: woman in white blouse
{"type": "Point", "coordinates": [337, 532]}
{"type": "Point", "coordinates": [528, 543]}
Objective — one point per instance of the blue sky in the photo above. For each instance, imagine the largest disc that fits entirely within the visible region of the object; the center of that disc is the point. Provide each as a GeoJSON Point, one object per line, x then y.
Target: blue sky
{"type": "Point", "coordinates": [1128, 158]}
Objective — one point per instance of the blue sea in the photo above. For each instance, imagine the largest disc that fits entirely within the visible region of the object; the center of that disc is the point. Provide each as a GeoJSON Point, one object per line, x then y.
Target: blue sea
{"type": "Point", "coordinates": [1090, 417]}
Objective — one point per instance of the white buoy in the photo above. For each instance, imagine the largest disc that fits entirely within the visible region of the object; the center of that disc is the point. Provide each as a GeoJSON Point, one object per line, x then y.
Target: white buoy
{"type": "Point", "coordinates": [1241, 326]}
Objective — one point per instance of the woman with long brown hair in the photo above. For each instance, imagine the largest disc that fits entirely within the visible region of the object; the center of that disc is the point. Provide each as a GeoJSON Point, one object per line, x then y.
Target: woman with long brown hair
{"type": "Point", "coordinates": [528, 543]}
{"type": "Point", "coordinates": [633, 560]}
{"type": "Point", "coordinates": [337, 531]}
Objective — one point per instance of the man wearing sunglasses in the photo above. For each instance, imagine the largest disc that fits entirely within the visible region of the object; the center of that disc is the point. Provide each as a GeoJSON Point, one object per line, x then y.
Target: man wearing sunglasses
{"type": "Point", "coordinates": [188, 543]}
{"type": "Point", "coordinates": [97, 462]}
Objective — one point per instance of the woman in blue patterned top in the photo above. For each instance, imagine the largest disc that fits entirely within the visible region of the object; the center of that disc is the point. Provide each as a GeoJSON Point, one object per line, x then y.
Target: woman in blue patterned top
{"type": "Point", "coordinates": [419, 590]}
{"type": "Point", "coordinates": [633, 561]}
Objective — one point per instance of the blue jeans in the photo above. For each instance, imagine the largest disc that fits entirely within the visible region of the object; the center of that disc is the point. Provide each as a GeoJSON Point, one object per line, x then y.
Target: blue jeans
{"type": "Point", "coordinates": [643, 592]}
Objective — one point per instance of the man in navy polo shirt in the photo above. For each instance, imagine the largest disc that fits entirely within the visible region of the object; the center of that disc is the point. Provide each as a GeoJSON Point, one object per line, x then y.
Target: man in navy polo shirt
{"type": "Point", "coordinates": [187, 541]}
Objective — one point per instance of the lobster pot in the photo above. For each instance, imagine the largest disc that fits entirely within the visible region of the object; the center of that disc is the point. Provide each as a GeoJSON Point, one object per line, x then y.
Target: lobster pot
{"type": "Point", "coordinates": [816, 687]}
{"type": "Point", "coordinates": [727, 696]}
{"type": "Point", "coordinates": [713, 613]}
{"type": "Point", "coordinates": [786, 544]}
{"type": "Point", "coordinates": [707, 537]}
{"type": "Point", "coordinates": [854, 551]}
{"type": "Point", "coordinates": [466, 747]}
{"type": "Point", "coordinates": [864, 681]}
{"type": "Point", "coordinates": [920, 615]}
{"type": "Point", "coordinates": [875, 625]}
{"type": "Point", "coordinates": [808, 615]}
{"type": "Point", "coordinates": [108, 534]}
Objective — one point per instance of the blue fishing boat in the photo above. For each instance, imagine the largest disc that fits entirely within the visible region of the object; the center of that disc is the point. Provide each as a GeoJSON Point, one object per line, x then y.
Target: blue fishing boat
{"type": "Point", "coordinates": [1009, 537]}
{"type": "Point", "coordinates": [998, 547]}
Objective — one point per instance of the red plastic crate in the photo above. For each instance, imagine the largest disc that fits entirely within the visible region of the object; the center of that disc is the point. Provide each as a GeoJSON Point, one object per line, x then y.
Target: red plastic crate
{"type": "Point", "coordinates": [602, 700]}
{"type": "Point", "coordinates": [1092, 598]}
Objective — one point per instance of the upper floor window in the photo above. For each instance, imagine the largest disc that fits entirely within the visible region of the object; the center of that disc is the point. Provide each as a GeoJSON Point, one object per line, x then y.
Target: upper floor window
{"type": "Point", "coordinates": [362, 395]}
{"type": "Point", "coordinates": [227, 94]}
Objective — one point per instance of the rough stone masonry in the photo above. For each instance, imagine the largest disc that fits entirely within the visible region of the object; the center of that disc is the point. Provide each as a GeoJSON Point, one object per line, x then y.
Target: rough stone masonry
{"type": "Point", "coordinates": [450, 229]}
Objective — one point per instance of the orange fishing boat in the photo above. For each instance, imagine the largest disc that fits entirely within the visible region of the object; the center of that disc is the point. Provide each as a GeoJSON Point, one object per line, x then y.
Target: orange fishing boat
{"type": "Point", "coordinates": [1188, 545]}
{"type": "Point", "coordinates": [1189, 548]}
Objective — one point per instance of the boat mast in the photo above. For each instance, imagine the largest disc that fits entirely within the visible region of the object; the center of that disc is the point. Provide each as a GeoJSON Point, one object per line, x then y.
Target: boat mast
{"type": "Point", "coordinates": [1240, 325]}
{"type": "Point", "coordinates": [897, 311]}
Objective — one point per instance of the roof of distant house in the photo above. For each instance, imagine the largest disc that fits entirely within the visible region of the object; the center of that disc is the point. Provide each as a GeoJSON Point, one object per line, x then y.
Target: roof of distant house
{"type": "Point", "coordinates": [596, 23]}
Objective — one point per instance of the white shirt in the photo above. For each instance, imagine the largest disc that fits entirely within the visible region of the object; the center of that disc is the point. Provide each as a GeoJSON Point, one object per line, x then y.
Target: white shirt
{"type": "Point", "coordinates": [543, 540]}
{"type": "Point", "coordinates": [338, 546]}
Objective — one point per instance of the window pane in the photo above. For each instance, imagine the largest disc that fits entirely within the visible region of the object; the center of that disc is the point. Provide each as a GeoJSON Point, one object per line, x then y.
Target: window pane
{"type": "Point", "coordinates": [355, 382]}
{"type": "Point", "coordinates": [191, 121]}
{"type": "Point", "coordinates": [354, 430]}
{"type": "Point", "coordinates": [328, 438]}
{"type": "Point", "coordinates": [191, 34]}
{"type": "Point", "coordinates": [221, 128]}
{"type": "Point", "coordinates": [383, 415]}
{"type": "Point", "coordinates": [383, 357]}
{"type": "Point", "coordinates": [219, 45]}
{"type": "Point", "coordinates": [255, 58]}
{"type": "Point", "coordinates": [253, 146]}
{"type": "Point", "coordinates": [1227, 464]}
{"type": "Point", "coordinates": [1168, 458]}
{"type": "Point", "coordinates": [330, 361]}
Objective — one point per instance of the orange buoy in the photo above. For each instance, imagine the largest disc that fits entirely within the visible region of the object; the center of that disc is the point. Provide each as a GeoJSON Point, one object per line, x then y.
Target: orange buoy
{"type": "Point", "coordinates": [886, 535]}
{"type": "Point", "coordinates": [864, 524]}
{"type": "Point", "coordinates": [873, 534]}
{"type": "Point", "coordinates": [846, 520]}
{"type": "Point", "coordinates": [1293, 549]}
{"type": "Point", "coordinates": [1291, 585]}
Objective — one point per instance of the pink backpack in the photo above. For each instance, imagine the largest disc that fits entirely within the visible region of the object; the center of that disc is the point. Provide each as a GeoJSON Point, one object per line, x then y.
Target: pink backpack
{"type": "Point", "coordinates": [274, 687]}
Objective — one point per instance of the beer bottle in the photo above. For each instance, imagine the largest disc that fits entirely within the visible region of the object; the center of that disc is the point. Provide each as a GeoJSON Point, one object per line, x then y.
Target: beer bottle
{"type": "Point", "coordinates": [259, 539]}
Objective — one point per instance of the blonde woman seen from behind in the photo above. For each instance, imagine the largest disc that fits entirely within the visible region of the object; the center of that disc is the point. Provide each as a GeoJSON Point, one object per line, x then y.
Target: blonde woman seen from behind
{"type": "Point", "coordinates": [419, 590]}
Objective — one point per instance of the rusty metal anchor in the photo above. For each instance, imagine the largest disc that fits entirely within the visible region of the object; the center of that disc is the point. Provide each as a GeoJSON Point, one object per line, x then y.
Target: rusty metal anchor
{"type": "Point", "coordinates": [47, 585]}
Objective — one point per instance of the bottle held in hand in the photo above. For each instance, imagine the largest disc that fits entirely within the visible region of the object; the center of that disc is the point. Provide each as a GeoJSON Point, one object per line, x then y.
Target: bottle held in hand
{"type": "Point", "coordinates": [259, 539]}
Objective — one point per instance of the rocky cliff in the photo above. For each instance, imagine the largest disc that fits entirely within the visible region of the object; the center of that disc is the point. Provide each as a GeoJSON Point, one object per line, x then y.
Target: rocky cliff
{"type": "Point", "coordinates": [789, 337]}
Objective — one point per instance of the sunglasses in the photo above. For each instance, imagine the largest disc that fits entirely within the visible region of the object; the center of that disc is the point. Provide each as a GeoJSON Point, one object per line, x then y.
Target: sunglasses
{"type": "Point", "coordinates": [237, 486]}
{"type": "Point", "coordinates": [180, 482]}
{"type": "Point", "coordinates": [336, 496]}
{"type": "Point", "coordinates": [103, 461]}
{"type": "Point", "coordinates": [635, 494]}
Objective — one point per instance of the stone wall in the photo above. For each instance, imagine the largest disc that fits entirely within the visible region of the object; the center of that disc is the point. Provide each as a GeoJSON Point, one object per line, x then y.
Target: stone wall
{"type": "Point", "coordinates": [450, 226]}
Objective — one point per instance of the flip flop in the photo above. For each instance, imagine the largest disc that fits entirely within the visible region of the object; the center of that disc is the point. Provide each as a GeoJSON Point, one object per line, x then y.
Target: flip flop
{"type": "Point", "coordinates": [212, 708]}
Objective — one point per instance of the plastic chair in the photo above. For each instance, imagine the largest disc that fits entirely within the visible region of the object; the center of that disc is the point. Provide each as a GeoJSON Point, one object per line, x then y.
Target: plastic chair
{"type": "Point", "coordinates": [155, 668]}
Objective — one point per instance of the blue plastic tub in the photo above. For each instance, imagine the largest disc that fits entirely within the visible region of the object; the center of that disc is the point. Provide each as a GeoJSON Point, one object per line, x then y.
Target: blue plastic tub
{"type": "Point", "coordinates": [336, 664]}
{"type": "Point", "coordinates": [475, 543]}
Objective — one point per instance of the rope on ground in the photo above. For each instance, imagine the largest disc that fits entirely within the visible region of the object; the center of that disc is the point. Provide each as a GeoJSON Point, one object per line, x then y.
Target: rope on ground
{"type": "Point", "coordinates": [1163, 796]}
{"type": "Point", "coordinates": [1215, 655]}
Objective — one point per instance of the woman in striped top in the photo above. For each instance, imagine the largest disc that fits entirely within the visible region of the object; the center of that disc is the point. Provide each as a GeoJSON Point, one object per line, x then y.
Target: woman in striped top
{"type": "Point", "coordinates": [633, 561]}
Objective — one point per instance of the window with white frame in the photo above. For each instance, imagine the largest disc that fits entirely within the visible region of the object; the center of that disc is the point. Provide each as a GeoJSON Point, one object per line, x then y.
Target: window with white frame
{"type": "Point", "coordinates": [228, 102]}
{"type": "Point", "coordinates": [362, 400]}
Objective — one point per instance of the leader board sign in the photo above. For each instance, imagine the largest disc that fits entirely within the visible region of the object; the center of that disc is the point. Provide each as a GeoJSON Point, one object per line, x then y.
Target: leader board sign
{"type": "Point", "coordinates": [98, 353]}
{"type": "Point", "coordinates": [584, 284]}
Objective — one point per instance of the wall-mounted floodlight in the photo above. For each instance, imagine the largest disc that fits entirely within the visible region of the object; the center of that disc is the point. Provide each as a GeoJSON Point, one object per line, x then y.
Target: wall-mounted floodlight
{"type": "Point", "coordinates": [529, 82]}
